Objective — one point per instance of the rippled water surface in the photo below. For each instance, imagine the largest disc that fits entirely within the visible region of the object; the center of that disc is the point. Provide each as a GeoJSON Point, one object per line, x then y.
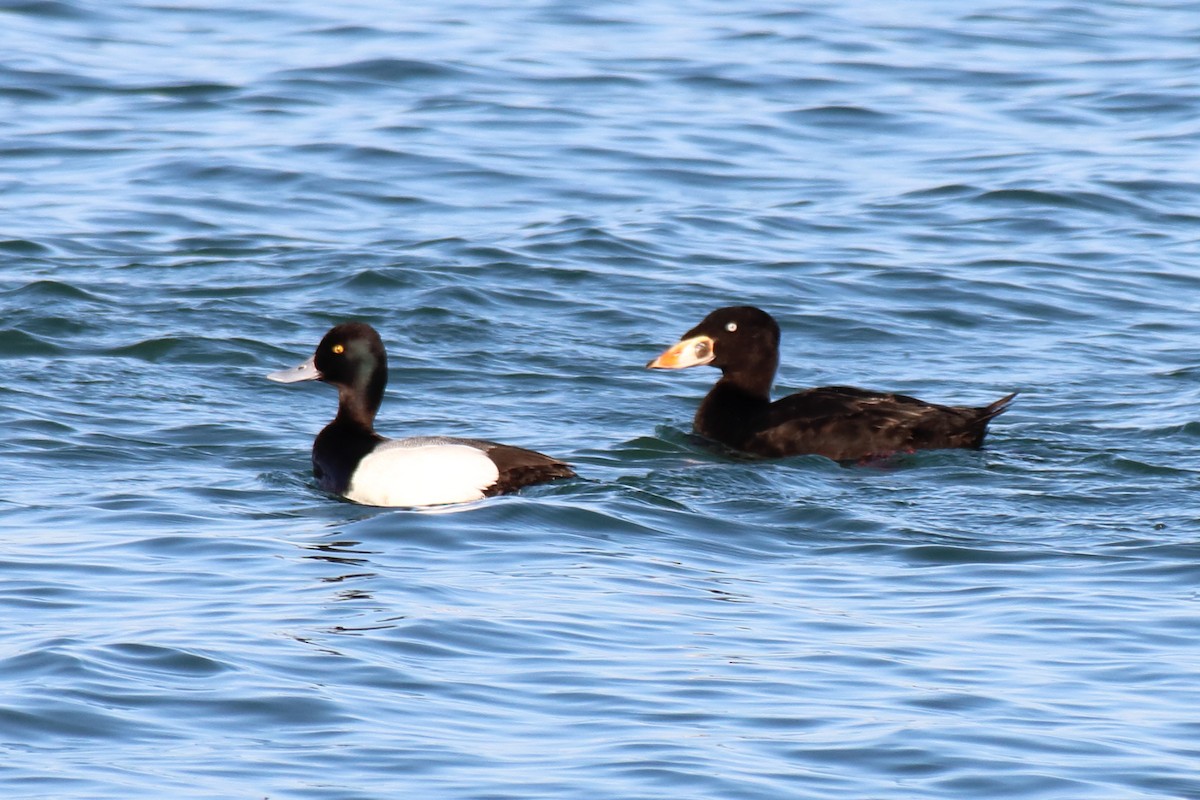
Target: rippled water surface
{"type": "Point", "coordinates": [529, 202]}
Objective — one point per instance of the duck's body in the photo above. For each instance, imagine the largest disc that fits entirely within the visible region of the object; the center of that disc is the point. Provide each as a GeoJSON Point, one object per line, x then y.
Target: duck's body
{"type": "Point", "coordinates": [840, 422]}
{"type": "Point", "coordinates": [428, 470]}
{"type": "Point", "coordinates": [352, 460]}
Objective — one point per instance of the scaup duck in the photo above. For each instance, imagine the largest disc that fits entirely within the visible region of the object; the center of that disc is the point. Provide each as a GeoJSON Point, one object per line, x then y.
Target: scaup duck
{"type": "Point", "coordinates": [350, 459]}
{"type": "Point", "coordinates": [839, 422]}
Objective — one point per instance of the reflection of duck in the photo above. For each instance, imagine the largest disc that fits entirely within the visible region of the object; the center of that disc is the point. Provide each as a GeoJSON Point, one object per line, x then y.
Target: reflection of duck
{"type": "Point", "coordinates": [839, 422]}
{"type": "Point", "coordinates": [351, 459]}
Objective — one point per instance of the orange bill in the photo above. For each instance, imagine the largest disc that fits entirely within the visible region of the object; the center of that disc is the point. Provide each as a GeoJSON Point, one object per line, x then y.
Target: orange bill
{"type": "Point", "coordinates": [688, 353]}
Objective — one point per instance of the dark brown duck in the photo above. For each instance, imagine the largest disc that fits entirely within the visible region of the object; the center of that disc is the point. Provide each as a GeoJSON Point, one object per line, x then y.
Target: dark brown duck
{"type": "Point", "coordinates": [839, 422]}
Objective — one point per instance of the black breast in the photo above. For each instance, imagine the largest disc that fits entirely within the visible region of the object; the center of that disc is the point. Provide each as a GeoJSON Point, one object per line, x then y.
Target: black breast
{"type": "Point", "coordinates": [337, 452]}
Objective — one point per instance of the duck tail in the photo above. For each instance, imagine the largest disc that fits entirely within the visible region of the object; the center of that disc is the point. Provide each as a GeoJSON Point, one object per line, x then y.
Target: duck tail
{"type": "Point", "coordinates": [993, 410]}
{"type": "Point", "coordinates": [976, 429]}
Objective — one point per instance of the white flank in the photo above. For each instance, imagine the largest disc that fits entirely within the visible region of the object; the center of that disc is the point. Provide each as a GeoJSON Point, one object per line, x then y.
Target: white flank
{"type": "Point", "coordinates": [421, 472]}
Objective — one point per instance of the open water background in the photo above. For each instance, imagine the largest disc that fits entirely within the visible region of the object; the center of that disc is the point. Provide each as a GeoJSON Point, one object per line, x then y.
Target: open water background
{"type": "Point", "coordinates": [950, 199]}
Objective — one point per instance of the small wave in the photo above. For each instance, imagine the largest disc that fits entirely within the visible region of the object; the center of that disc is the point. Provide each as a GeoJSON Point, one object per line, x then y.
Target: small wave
{"type": "Point", "coordinates": [51, 291]}
{"type": "Point", "coordinates": [16, 343]}
{"type": "Point", "coordinates": [862, 120]}
{"type": "Point", "coordinates": [944, 191]}
{"type": "Point", "coordinates": [49, 9]}
{"type": "Point", "coordinates": [941, 554]}
{"type": "Point", "coordinates": [143, 658]}
{"type": "Point", "coordinates": [191, 172]}
{"type": "Point", "coordinates": [151, 350]}
{"type": "Point", "coordinates": [383, 71]}
{"type": "Point", "coordinates": [1149, 105]}
{"type": "Point", "coordinates": [200, 90]}
{"type": "Point", "coordinates": [51, 83]}
{"type": "Point", "coordinates": [1083, 201]}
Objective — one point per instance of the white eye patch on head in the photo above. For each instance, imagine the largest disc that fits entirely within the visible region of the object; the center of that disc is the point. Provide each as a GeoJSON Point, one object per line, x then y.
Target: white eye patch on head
{"type": "Point", "coordinates": [731, 326]}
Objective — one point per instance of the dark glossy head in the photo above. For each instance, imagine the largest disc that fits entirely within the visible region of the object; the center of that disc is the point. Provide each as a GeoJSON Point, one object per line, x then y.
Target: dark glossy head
{"type": "Point", "coordinates": [733, 339]}
{"type": "Point", "coordinates": [351, 356]}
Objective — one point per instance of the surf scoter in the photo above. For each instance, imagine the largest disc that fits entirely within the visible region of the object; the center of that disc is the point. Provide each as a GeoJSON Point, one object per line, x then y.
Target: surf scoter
{"type": "Point", "coordinates": [840, 422]}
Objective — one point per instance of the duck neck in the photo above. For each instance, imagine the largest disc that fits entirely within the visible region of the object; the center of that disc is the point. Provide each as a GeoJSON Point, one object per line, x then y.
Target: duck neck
{"type": "Point", "coordinates": [731, 409]}
{"type": "Point", "coordinates": [751, 379]}
{"type": "Point", "coordinates": [359, 403]}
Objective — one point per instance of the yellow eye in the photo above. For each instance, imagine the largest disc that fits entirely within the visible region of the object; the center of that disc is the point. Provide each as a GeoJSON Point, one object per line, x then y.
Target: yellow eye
{"type": "Point", "coordinates": [339, 349]}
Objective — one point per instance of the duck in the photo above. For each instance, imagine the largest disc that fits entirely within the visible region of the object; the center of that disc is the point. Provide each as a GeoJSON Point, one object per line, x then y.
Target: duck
{"type": "Point", "coordinates": [351, 460]}
{"type": "Point", "coordinates": [843, 423]}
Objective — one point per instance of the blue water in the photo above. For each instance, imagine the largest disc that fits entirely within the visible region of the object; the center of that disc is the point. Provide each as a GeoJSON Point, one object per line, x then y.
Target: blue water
{"type": "Point", "coordinates": [529, 202]}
